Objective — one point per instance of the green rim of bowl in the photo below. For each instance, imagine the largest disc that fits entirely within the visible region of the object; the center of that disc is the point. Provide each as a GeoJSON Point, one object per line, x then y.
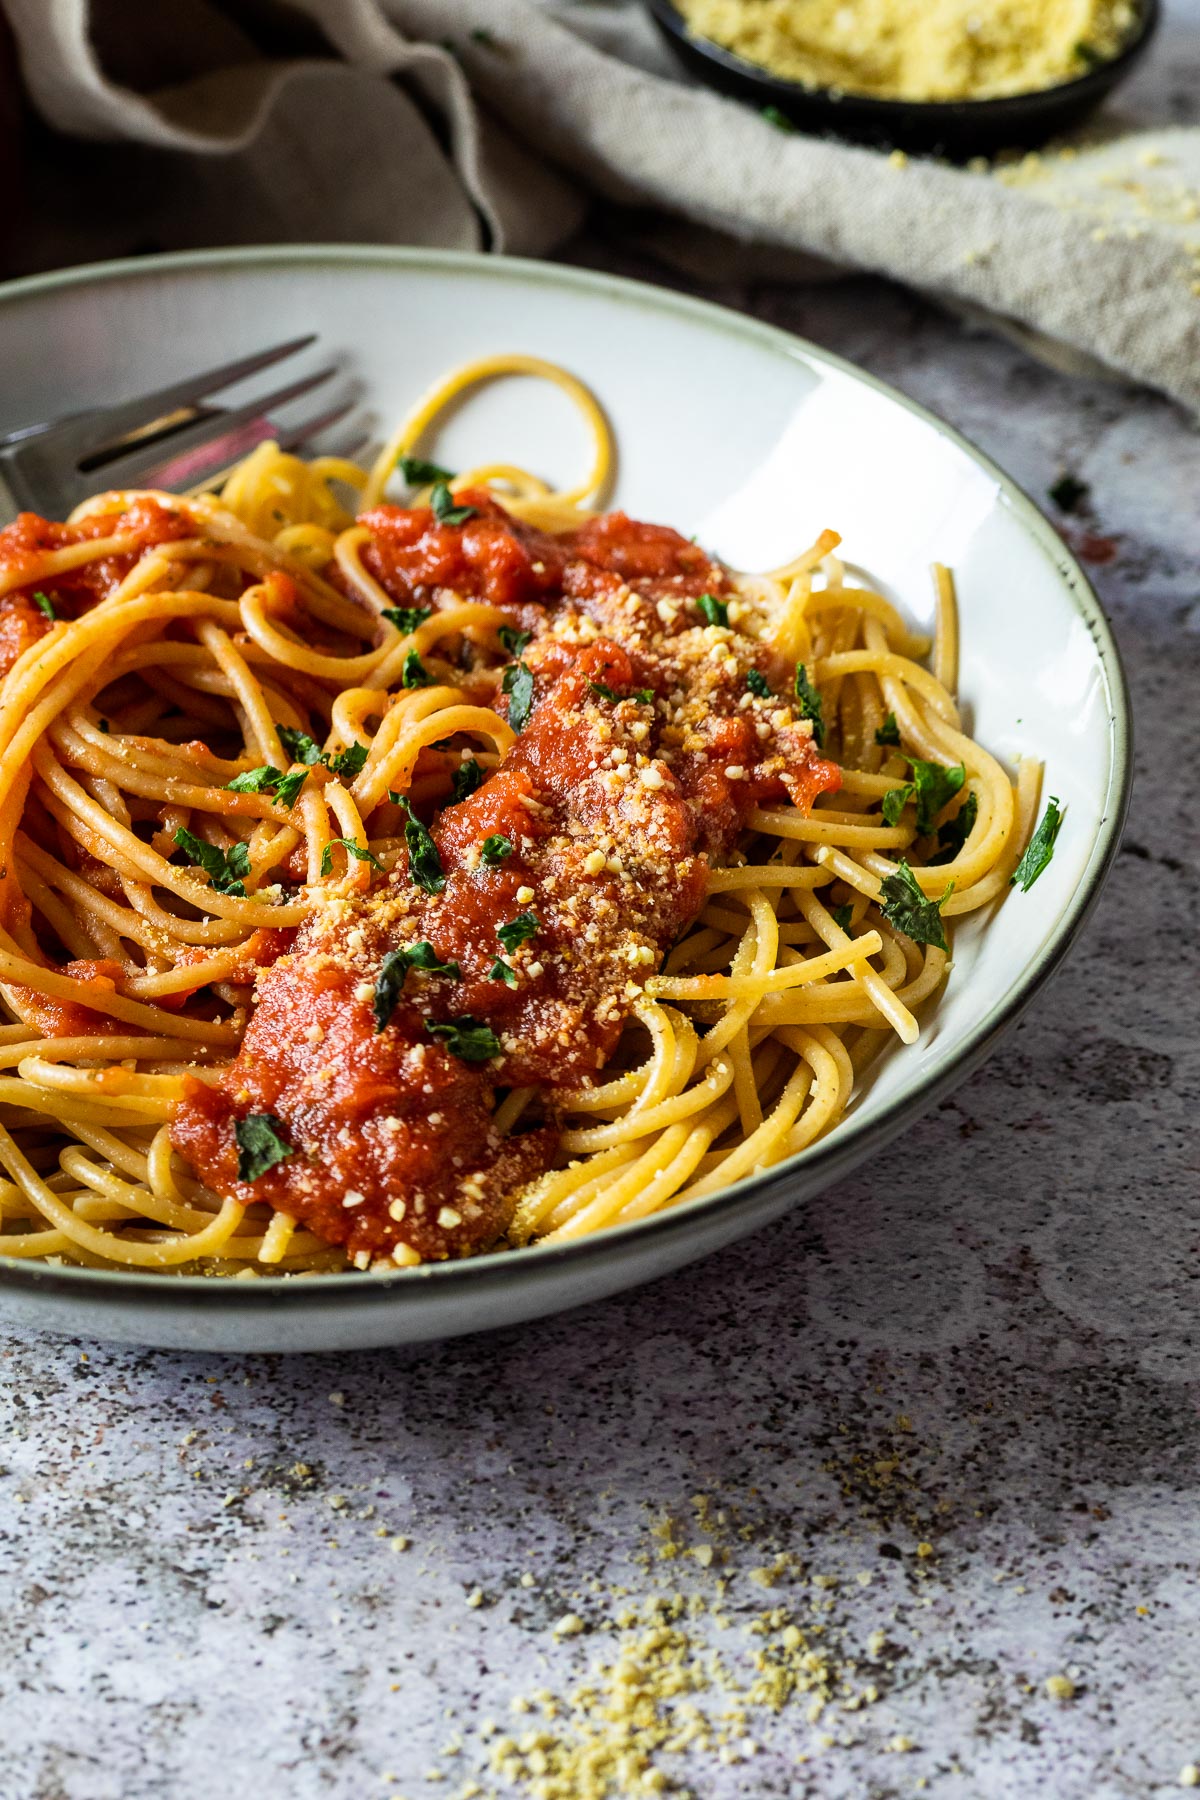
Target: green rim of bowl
{"type": "Point", "coordinates": [857, 1137]}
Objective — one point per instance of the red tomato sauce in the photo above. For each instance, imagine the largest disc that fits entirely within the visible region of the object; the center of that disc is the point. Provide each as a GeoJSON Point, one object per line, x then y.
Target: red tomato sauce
{"type": "Point", "coordinates": [643, 753]}
{"type": "Point", "coordinates": [25, 544]}
{"type": "Point", "coordinates": [55, 1017]}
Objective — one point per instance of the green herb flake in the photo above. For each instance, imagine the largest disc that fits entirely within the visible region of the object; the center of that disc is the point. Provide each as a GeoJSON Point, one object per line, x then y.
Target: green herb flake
{"type": "Point", "coordinates": [444, 509]}
{"type": "Point", "coordinates": [466, 778]}
{"type": "Point", "coordinates": [715, 611]}
{"type": "Point", "coordinates": [424, 863]}
{"type": "Point", "coordinates": [419, 473]}
{"type": "Point", "coordinates": [778, 119]}
{"type": "Point", "coordinates": [1040, 848]}
{"type": "Point", "coordinates": [895, 801]}
{"type": "Point", "coordinates": [261, 1143]}
{"type": "Point", "coordinates": [351, 849]}
{"type": "Point", "coordinates": [1069, 493]}
{"type": "Point", "coordinates": [44, 604]}
{"type": "Point", "coordinates": [935, 787]}
{"type": "Point", "coordinates": [526, 925]}
{"type": "Point", "coordinates": [494, 849]}
{"type": "Point", "coordinates": [841, 916]}
{"type": "Point", "coordinates": [395, 967]}
{"type": "Point", "coordinates": [889, 731]}
{"type": "Point", "coordinates": [467, 1038]}
{"type": "Point", "coordinates": [514, 641]}
{"type": "Point", "coordinates": [263, 780]}
{"type": "Point", "coordinates": [104, 726]}
{"type": "Point", "coordinates": [1088, 54]}
{"type": "Point", "coordinates": [955, 832]}
{"type": "Point", "coordinates": [413, 673]}
{"type": "Point", "coordinates": [502, 971]}
{"type": "Point", "coordinates": [518, 685]}
{"type": "Point", "coordinates": [349, 762]}
{"type": "Point", "coordinates": [903, 905]}
{"type": "Point", "coordinates": [602, 691]}
{"type": "Point", "coordinates": [406, 619]}
{"type": "Point", "coordinates": [808, 704]}
{"type": "Point", "coordinates": [287, 788]}
{"type": "Point", "coordinates": [758, 684]}
{"type": "Point", "coordinates": [299, 746]}
{"type": "Point", "coordinates": [226, 870]}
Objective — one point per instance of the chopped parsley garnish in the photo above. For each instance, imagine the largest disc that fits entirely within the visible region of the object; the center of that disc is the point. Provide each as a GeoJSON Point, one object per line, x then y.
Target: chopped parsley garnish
{"type": "Point", "coordinates": [261, 1143]}
{"type": "Point", "coordinates": [351, 849]}
{"type": "Point", "coordinates": [407, 618]}
{"type": "Point", "coordinates": [226, 870]}
{"type": "Point", "coordinates": [841, 916]}
{"type": "Point", "coordinates": [644, 696]}
{"type": "Point", "coordinates": [466, 1037]}
{"type": "Point", "coordinates": [935, 787]}
{"type": "Point", "coordinates": [518, 685]}
{"type": "Point", "coordinates": [299, 746]}
{"type": "Point", "coordinates": [808, 704]}
{"type": "Point", "coordinates": [303, 749]}
{"type": "Point", "coordinates": [1087, 53]}
{"type": "Point", "coordinates": [481, 36]}
{"type": "Point", "coordinates": [895, 801]}
{"type": "Point", "coordinates": [519, 930]}
{"type": "Point", "coordinates": [955, 832]}
{"type": "Point", "coordinates": [262, 780]}
{"type": "Point", "coordinates": [394, 968]}
{"type": "Point", "coordinates": [494, 849]}
{"type": "Point", "coordinates": [758, 684]}
{"type": "Point", "coordinates": [904, 905]}
{"type": "Point", "coordinates": [502, 971]}
{"type": "Point", "coordinates": [466, 778]}
{"type": "Point", "coordinates": [419, 473]}
{"type": "Point", "coordinates": [424, 863]}
{"type": "Point", "coordinates": [267, 780]}
{"type": "Point", "coordinates": [413, 673]}
{"type": "Point", "coordinates": [715, 611]}
{"type": "Point", "coordinates": [778, 119]}
{"type": "Point", "coordinates": [889, 731]}
{"type": "Point", "coordinates": [444, 509]}
{"type": "Point", "coordinates": [104, 726]}
{"type": "Point", "coordinates": [348, 762]}
{"type": "Point", "coordinates": [287, 788]}
{"type": "Point", "coordinates": [1039, 849]}
{"type": "Point", "coordinates": [1069, 493]}
{"type": "Point", "coordinates": [44, 604]}
{"type": "Point", "coordinates": [514, 641]}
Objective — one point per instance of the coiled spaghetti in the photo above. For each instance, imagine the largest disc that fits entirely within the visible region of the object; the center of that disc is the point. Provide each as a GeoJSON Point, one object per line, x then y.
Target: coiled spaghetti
{"type": "Point", "coordinates": [220, 741]}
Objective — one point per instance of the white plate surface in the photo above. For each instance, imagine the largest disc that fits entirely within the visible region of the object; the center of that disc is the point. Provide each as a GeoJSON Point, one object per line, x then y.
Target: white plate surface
{"type": "Point", "coordinates": [754, 441]}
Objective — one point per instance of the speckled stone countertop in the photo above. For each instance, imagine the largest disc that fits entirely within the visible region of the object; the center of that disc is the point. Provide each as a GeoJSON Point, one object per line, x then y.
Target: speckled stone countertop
{"type": "Point", "coordinates": [948, 1410]}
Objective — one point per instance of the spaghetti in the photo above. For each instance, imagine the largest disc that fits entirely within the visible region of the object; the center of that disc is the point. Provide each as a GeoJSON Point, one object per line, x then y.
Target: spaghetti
{"type": "Point", "coordinates": [385, 883]}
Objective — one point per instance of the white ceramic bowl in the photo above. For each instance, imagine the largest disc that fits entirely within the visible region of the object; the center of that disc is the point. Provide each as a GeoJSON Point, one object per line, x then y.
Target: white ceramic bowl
{"type": "Point", "coordinates": [727, 428]}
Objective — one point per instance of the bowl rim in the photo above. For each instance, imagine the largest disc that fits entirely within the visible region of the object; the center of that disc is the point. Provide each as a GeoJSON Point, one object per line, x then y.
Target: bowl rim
{"type": "Point", "coordinates": [855, 1138]}
{"type": "Point", "coordinates": [873, 108]}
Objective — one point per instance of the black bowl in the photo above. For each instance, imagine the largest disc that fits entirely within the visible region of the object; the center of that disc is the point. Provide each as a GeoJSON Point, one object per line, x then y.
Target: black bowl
{"type": "Point", "coordinates": [954, 128]}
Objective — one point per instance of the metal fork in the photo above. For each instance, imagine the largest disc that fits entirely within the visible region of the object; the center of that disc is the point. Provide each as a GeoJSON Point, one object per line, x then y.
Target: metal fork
{"type": "Point", "coordinates": [169, 439]}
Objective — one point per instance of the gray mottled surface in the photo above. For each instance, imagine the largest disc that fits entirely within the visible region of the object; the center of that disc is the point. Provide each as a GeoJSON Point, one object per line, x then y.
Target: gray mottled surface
{"type": "Point", "coordinates": [187, 1615]}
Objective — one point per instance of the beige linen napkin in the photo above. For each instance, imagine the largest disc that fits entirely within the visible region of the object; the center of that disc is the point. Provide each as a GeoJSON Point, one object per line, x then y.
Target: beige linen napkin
{"type": "Point", "coordinates": [487, 122]}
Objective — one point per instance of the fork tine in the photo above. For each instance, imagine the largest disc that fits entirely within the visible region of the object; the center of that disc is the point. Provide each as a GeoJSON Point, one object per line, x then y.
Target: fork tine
{"type": "Point", "coordinates": [311, 428]}
{"type": "Point", "coordinates": [219, 457]}
{"type": "Point", "coordinates": [139, 465]}
{"type": "Point", "coordinates": [116, 422]}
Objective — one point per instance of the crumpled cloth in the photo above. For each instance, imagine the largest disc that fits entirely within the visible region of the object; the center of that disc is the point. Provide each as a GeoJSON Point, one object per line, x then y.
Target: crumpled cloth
{"type": "Point", "coordinates": [488, 123]}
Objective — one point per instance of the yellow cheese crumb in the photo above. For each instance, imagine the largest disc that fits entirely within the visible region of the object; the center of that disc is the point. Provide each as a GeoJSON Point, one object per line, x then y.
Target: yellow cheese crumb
{"type": "Point", "coordinates": [1060, 1687]}
{"type": "Point", "coordinates": [918, 49]}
